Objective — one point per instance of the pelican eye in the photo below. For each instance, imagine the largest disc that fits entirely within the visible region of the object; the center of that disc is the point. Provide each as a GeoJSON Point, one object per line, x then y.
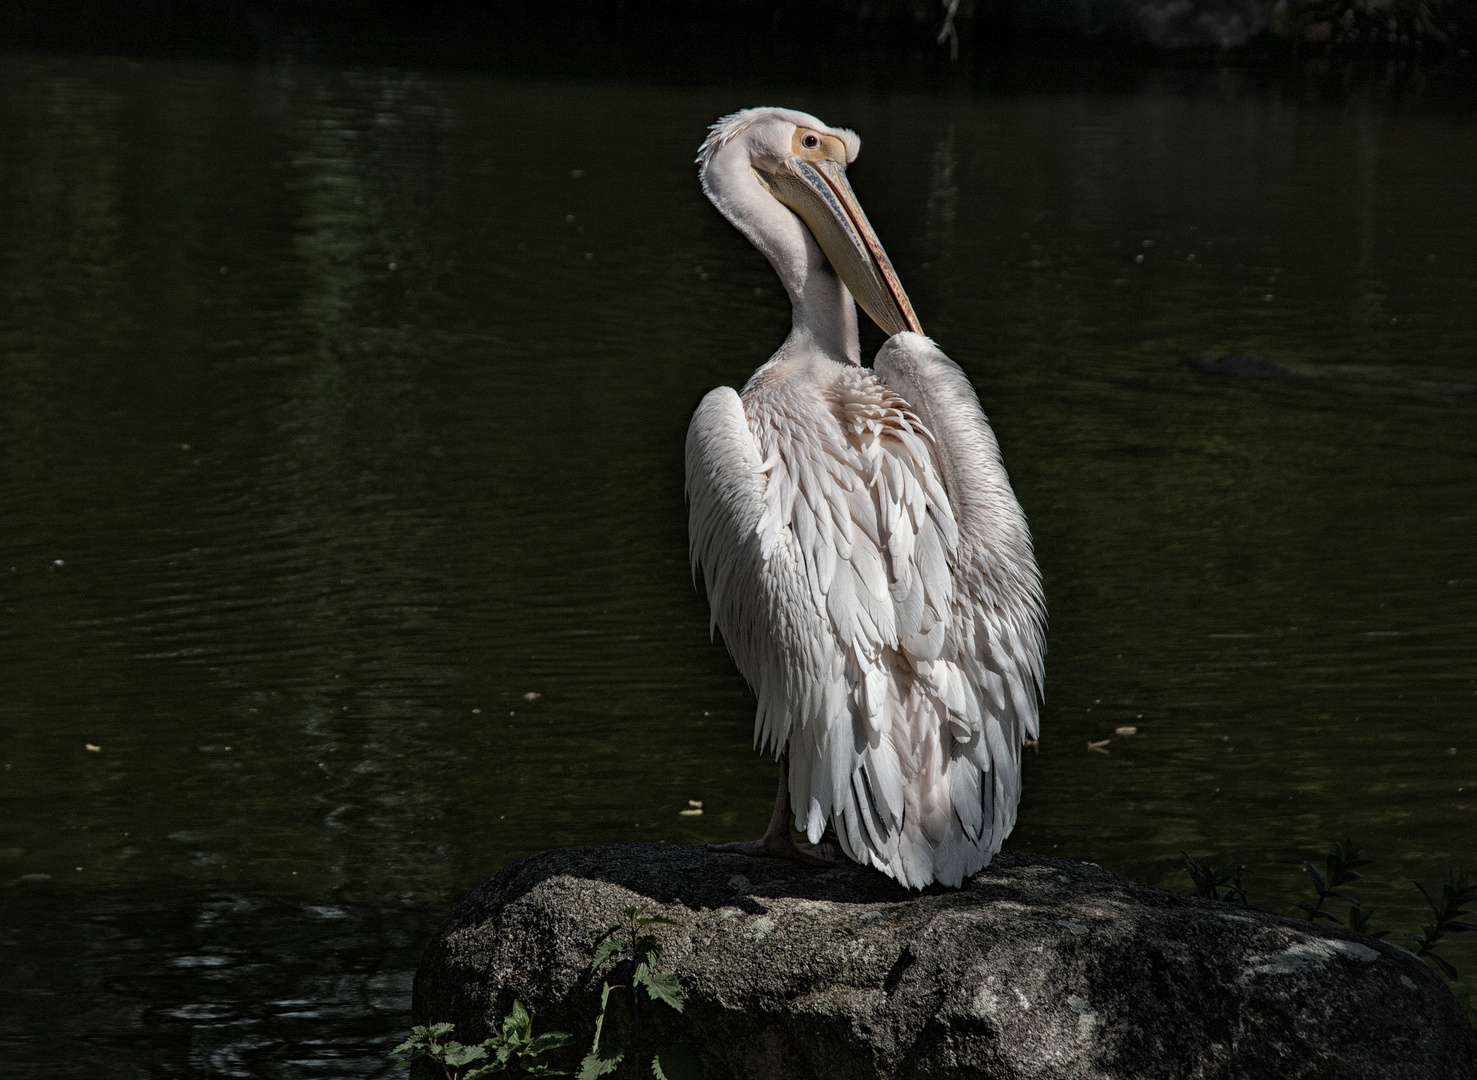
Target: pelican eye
{"type": "Point", "coordinates": [810, 142]}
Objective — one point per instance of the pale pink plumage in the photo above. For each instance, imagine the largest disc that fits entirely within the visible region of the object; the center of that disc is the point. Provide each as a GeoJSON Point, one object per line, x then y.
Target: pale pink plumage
{"type": "Point", "coordinates": [870, 570]}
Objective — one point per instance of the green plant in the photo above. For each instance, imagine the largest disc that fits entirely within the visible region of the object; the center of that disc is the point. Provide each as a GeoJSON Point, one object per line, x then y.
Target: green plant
{"type": "Point", "coordinates": [629, 941]}
{"type": "Point", "coordinates": [1212, 884]}
{"type": "Point", "coordinates": [1360, 918]}
{"type": "Point", "coordinates": [1338, 872]}
{"type": "Point", "coordinates": [1456, 891]}
{"type": "Point", "coordinates": [511, 1052]}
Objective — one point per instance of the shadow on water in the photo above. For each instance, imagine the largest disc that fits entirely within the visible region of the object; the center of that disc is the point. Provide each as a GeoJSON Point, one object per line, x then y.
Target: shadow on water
{"type": "Point", "coordinates": [344, 550]}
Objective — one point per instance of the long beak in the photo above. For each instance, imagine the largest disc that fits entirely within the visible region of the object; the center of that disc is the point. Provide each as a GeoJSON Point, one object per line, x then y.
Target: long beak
{"type": "Point", "coordinates": [821, 195]}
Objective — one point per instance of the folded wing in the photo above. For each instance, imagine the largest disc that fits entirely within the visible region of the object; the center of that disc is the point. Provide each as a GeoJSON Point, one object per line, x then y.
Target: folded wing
{"type": "Point", "coordinates": [860, 603]}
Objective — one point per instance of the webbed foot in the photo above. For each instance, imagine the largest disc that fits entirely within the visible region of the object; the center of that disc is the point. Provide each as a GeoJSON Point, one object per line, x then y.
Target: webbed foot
{"type": "Point", "coordinates": [782, 847]}
{"type": "Point", "coordinates": [776, 843]}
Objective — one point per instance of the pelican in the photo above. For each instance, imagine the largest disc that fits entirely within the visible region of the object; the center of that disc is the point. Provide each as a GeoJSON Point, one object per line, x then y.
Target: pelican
{"type": "Point", "coordinates": [864, 556]}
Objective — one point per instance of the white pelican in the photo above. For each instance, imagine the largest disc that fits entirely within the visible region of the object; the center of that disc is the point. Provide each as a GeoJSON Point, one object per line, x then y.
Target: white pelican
{"type": "Point", "coordinates": [863, 552]}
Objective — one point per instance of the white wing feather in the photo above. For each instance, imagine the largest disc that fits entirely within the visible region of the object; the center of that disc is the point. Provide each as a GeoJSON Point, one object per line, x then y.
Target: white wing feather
{"type": "Point", "coordinates": [999, 613]}
{"type": "Point", "coordinates": [849, 529]}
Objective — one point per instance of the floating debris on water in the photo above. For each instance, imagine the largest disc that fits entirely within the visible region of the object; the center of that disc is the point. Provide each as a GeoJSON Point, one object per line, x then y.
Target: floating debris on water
{"type": "Point", "coordinates": [532, 695]}
{"type": "Point", "coordinates": [1127, 729]}
{"type": "Point", "coordinates": [694, 808]}
{"type": "Point", "coordinates": [1098, 746]}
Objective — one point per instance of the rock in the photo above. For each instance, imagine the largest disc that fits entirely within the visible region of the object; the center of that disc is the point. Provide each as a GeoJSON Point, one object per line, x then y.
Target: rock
{"type": "Point", "coordinates": [1038, 967]}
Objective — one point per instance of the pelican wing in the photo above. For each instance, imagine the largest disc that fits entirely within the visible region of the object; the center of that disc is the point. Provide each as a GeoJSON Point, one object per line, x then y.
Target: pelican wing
{"type": "Point", "coordinates": [725, 494]}
{"type": "Point", "coordinates": [838, 576]}
{"type": "Point", "coordinates": [999, 611]}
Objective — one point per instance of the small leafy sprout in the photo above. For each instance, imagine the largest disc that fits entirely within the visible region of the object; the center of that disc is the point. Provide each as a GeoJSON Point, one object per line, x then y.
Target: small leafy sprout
{"type": "Point", "coordinates": [1456, 891]}
{"type": "Point", "coordinates": [426, 1041]}
{"type": "Point", "coordinates": [1212, 884]}
{"type": "Point", "coordinates": [629, 940]}
{"type": "Point", "coordinates": [1338, 872]}
{"type": "Point", "coordinates": [509, 1053]}
{"type": "Point", "coordinates": [625, 940]}
{"type": "Point", "coordinates": [1360, 918]}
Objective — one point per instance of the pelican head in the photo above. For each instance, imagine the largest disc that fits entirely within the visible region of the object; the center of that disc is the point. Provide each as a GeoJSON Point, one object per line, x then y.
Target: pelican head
{"type": "Point", "coordinates": [780, 177]}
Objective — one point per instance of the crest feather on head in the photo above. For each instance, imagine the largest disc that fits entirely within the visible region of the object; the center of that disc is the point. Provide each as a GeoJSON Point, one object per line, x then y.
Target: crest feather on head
{"type": "Point", "coordinates": [724, 131]}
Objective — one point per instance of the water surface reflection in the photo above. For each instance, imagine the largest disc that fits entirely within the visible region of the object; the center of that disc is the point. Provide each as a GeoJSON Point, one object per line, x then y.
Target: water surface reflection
{"type": "Point", "coordinates": [338, 415]}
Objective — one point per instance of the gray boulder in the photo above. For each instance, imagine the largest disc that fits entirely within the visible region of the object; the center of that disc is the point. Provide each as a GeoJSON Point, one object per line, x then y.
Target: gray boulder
{"type": "Point", "coordinates": [1038, 967]}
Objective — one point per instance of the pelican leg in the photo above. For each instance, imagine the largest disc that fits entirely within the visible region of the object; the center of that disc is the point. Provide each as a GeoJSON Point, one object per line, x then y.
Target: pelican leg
{"type": "Point", "coordinates": [776, 843]}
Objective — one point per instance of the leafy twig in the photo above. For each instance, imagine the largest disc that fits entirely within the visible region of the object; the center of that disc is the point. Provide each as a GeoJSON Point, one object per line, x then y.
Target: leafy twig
{"type": "Point", "coordinates": [1338, 872]}
{"type": "Point", "coordinates": [630, 940]}
{"type": "Point", "coordinates": [1212, 884]}
{"type": "Point", "coordinates": [1456, 891]}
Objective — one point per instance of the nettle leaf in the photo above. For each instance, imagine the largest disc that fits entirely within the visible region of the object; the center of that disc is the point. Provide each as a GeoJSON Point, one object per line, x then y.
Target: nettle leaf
{"type": "Point", "coordinates": [549, 1040]}
{"type": "Point", "coordinates": [594, 1057]}
{"type": "Point", "coordinates": [1458, 927]}
{"type": "Point", "coordinates": [458, 1055]}
{"type": "Point", "coordinates": [519, 1015]}
{"type": "Point", "coordinates": [599, 1063]}
{"type": "Point", "coordinates": [667, 988]}
{"type": "Point", "coordinates": [608, 948]}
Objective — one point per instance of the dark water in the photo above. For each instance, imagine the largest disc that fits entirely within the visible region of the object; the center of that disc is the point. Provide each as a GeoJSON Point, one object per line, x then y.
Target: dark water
{"type": "Point", "coordinates": [337, 415]}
